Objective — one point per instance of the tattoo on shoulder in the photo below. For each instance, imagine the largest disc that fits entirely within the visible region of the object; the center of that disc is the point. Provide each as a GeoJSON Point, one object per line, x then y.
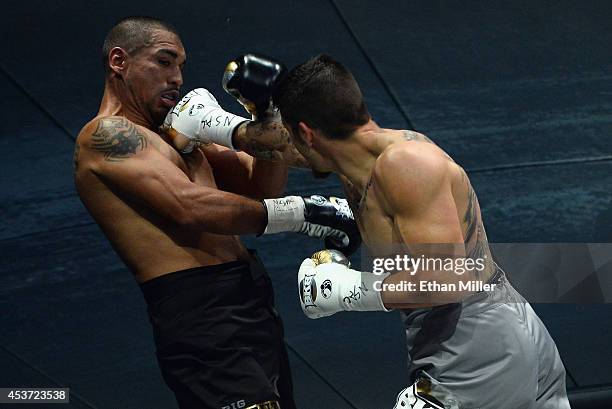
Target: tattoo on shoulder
{"type": "Point", "coordinates": [410, 136]}
{"type": "Point", "coordinates": [117, 139]}
{"type": "Point", "coordinates": [415, 136]}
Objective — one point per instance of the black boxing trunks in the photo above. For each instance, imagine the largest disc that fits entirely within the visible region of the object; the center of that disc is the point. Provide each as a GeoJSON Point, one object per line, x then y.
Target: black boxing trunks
{"type": "Point", "coordinates": [219, 340]}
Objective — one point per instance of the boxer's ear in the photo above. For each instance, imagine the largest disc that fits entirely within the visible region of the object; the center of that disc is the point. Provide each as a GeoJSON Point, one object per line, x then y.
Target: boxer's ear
{"type": "Point", "coordinates": [117, 58]}
{"type": "Point", "coordinates": [305, 133]}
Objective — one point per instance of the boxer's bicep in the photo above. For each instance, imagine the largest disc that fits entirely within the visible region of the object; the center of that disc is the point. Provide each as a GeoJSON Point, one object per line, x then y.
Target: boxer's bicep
{"type": "Point", "coordinates": [147, 178]}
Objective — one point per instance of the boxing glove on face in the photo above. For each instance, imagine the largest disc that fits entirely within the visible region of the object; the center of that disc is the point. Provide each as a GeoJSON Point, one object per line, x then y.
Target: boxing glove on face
{"type": "Point", "coordinates": [251, 78]}
{"type": "Point", "coordinates": [198, 117]}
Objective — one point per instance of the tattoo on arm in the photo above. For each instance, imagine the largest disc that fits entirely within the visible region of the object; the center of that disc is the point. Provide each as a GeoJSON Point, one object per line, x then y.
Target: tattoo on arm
{"type": "Point", "coordinates": [475, 239]}
{"type": "Point", "coordinates": [260, 151]}
{"type": "Point", "coordinates": [471, 216]}
{"type": "Point", "coordinates": [294, 157]}
{"type": "Point", "coordinates": [266, 140]}
{"type": "Point", "coordinates": [269, 141]}
{"type": "Point", "coordinates": [117, 139]}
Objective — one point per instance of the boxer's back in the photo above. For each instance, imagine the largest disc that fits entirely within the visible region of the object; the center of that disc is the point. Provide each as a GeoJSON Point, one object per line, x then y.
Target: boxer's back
{"type": "Point", "coordinates": [151, 244]}
{"type": "Point", "coordinates": [377, 227]}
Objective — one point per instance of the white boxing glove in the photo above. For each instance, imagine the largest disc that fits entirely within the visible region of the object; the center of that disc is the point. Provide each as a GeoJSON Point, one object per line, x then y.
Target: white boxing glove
{"type": "Point", "coordinates": [327, 285]}
{"type": "Point", "coordinates": [198, 117]}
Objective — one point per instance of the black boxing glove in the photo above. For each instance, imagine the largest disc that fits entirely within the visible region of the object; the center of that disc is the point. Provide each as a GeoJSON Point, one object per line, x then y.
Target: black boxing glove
{"type": "Point", "coordinates": [315, 216]}
{"type": "Point", "coordinates": [251, 79]}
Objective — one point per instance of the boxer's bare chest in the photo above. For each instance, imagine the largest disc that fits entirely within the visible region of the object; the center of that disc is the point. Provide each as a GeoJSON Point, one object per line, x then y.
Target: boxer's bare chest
{"type": "Point", "coordinates": [375, 225]}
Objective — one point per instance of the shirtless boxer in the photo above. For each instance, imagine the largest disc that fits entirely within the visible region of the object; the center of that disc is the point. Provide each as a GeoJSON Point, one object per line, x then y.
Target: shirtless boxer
{"type": "Point", "coordinates": [484, 349]}
{"type": "Point", "coordinates": [173, 218]}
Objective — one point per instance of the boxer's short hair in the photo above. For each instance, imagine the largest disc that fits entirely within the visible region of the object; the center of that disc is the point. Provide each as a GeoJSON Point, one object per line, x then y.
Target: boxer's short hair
{"type": "Point", "coordinates": [323, 94]}
{"type": "Point", "coordinates": [132, 34]}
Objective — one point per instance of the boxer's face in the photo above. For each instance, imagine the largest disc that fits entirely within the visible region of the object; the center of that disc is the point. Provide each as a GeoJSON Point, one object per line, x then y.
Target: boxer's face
{"type": "Point", "coordinates": [303, 137]}
{"type": "Point", "coordinates": [154, 75]}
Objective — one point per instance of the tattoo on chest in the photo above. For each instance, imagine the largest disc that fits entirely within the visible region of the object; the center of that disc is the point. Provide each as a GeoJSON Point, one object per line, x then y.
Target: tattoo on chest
{"type": "Point", "coordinates": [117, 139]}
{"type": "Point", "coordinates": [361, 204]}
{"type": "Point", "coordinates": [352, 194]}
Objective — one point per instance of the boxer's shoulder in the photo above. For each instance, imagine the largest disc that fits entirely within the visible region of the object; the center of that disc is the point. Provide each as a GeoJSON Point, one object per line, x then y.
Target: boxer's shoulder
{"type": "Point", "coordinates": [115, 138]}
{"type": "Point", "coordinates": [103, 122]}
{"type": "Point", "coordinates": [406, 172]}
{"type": "Point", "coordinates": [410, 161]}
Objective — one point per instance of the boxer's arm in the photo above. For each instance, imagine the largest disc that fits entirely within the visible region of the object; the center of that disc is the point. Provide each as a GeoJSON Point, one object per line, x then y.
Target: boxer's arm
{"type": "Point", "coordinates": [418, 198]}
{"type": "Point", "coordinates": [259, 170]}
{"type": "Point", "coordinates": [120, 156]}
{"type": "Point", "coordinates": [243, 174]}
{"type": "Point", "coordinates": [267, 152]}
{"type": "Point", "coordinates": [270, 141]}
{"type": "Point", "coordinates": [251, 79]}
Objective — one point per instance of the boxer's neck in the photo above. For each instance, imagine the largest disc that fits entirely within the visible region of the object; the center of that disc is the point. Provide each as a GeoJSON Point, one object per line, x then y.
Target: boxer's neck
{"type": "Point", "coordinates": [355, 156]}
{"type": "Point", "coordinates": [117, 101]}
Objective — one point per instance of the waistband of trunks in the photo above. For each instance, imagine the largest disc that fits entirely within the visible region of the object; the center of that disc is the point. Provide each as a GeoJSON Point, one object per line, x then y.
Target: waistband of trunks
{"type": "Point", "coordinates": [174, 283]}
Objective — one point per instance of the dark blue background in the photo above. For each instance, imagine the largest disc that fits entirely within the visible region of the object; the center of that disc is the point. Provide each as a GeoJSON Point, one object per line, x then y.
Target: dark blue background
{"type": "Point", "coordinates": [517, 92]}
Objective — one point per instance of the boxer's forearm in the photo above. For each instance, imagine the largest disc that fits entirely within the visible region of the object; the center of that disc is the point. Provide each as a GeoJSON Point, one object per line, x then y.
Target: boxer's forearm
{"type": "Point", "coordinates": [268, 140]}
{"type": "Point", "coordinates": [268, 179]}
{"type": "Point", "coordinates": [219, 212]}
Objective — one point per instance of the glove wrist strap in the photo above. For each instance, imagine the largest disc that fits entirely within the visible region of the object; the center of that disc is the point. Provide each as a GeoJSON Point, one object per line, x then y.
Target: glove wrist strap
{"type": "Point", "coordinates": [284, 214]}
{"type": "Point", "coordinates": [371, 299]}
{"type": "Point", "coordinates": [218, 125]}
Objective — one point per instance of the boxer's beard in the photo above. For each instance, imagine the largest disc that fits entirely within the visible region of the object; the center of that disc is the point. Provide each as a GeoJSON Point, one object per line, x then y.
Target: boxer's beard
{"type": "Point", "coordinates": [320, 175]}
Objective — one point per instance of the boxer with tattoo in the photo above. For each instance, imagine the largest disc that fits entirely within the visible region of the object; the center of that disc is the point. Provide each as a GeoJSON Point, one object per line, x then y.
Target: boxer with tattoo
{"type": "Point", "coordinates": [164, 181]}
{"type": "Point", "coordinates": [467, 348]}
